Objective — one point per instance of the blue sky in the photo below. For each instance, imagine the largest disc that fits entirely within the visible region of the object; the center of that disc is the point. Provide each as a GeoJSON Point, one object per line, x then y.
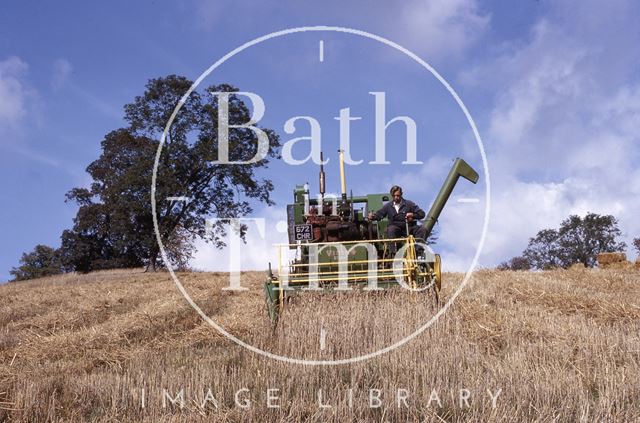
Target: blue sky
{"type": "Point", "coordinates": [554, 89]}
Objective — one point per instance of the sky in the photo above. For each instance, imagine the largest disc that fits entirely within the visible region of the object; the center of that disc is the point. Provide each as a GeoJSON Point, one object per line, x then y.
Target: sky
{"type": "Point", "coordinates": [553, 88]}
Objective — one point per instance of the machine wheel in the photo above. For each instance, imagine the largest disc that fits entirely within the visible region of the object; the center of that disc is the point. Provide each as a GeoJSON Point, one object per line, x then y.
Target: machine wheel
{"type": "Point", "coordinates": [272, 302]}
{"type": "Point", "coordinates": [437, 270]}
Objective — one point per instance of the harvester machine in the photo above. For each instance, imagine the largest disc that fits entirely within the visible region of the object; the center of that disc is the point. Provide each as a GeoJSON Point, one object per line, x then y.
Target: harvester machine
{"type": "Point", "coordinates": [334, 246]}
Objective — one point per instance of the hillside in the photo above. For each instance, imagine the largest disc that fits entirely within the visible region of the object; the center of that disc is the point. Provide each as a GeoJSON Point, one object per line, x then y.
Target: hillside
{"type": "Point", "coordinates": [559, 345]}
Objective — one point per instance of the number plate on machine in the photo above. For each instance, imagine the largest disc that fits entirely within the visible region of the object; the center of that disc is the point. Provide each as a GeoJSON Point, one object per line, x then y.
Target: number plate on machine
{"type": "Point", "coordinates": [303, 232]}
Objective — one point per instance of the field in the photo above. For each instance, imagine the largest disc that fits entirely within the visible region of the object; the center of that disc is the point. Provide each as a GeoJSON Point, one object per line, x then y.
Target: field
{"type": "Point", "coordinates": [515, 346]}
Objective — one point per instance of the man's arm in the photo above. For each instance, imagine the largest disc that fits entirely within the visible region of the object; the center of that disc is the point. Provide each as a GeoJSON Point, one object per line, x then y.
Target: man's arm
{"type": "Point", "coordinates": [418, 213]}
{"type": "Point", "coordinates": [380, 214]}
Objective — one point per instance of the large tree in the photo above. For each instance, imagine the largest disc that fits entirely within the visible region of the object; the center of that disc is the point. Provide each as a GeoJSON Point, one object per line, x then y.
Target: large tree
{"type": "Point", "coordinates": [114, 226]}
{"type": "Point", "coordinates": [578, 240]}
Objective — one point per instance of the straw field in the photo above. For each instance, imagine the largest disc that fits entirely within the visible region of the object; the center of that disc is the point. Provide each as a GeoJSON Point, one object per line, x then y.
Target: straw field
{"type": "Point", "coordinates": [515, 346]}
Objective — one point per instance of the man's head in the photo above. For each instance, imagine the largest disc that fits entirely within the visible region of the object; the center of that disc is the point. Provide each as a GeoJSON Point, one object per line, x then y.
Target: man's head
{"type": "Point", "coordinates": [396, 193]}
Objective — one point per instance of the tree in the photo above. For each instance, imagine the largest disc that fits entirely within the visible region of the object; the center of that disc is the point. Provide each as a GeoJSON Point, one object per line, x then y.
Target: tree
{"type": "Point", "coordinates": [111, 227]}
{"type": "Point", "coordinates": [516, 263]}
{"type": "Point", "coordinates": [42, 261]}
{"type": "Point", "coordinates": [582, 239]}
{"type": "Point", "coordinates": [114, 225]}
{"type": "Point", "coordinates": [543, 251]}
{"type": "Point", "coordinates": [636, 243]}
{"type": "Point", "coordinates": [578, 240]}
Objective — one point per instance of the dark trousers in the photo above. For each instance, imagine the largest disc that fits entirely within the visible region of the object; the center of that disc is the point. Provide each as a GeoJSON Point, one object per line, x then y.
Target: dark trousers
{"type": "Point", "coordinates": [394, 231]}
{"type": "Point", "coordinates": [417, 231]}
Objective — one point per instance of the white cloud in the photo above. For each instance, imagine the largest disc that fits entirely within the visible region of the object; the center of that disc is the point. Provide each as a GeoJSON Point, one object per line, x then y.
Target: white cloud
{"type": "Point", "coordinates": [523, 209]}
{"type": "Point", "coordinates": [520, 209]}
{"type": "Point", "coordinates": [563, 131]}
{"type": "Point", "coordinates": [435, 29]}
{"type": "Point", "coordinates": [256, 253]}
{"type": "Point", "coordinates": [13, 91]}
{"type": "Point", "coordinates": [62, 70]}
{"type": "Point", "coordinates": [439, 28]}
{"type": "Point", "coordinates": [545, 94]}
{"type": "Point", "coordinates": [21, 105]}
{"type": "Point", "coordinates": [562, 134]}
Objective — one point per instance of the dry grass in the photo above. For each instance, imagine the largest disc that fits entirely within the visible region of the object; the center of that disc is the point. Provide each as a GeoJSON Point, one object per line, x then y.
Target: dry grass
{"type": "Point", "coordinates": [561, 346]}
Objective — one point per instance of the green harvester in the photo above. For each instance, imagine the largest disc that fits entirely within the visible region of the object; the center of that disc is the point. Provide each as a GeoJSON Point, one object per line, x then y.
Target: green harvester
{"type": "Point", "coordinates": [335, 247]}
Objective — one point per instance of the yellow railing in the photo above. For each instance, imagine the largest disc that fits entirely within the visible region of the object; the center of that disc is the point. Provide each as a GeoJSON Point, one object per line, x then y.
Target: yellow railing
{"type": "Point", "coordinates": [291, 273]}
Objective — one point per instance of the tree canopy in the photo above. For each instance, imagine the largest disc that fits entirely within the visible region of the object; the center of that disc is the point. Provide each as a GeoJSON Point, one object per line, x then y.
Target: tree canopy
{"type": "Point", "coordinates": [114, 223]}
{"type": "Point", "coordinates": [42, 261]}
{"type": "Point", "coordinates": [578, 240]}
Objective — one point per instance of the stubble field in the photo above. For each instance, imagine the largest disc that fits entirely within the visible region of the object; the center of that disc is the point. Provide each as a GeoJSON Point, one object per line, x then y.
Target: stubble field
{"type": "Point", "coordinates": [515, 346]}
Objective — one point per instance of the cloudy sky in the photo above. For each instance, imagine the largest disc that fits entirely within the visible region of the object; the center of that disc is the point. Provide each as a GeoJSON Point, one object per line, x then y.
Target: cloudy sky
{"type": "Point", "coordinates": [553, 87]}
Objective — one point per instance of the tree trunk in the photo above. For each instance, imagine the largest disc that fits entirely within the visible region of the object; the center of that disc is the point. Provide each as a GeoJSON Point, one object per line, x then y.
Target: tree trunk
{"type": "Point", "coordinates": [153, 258]}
